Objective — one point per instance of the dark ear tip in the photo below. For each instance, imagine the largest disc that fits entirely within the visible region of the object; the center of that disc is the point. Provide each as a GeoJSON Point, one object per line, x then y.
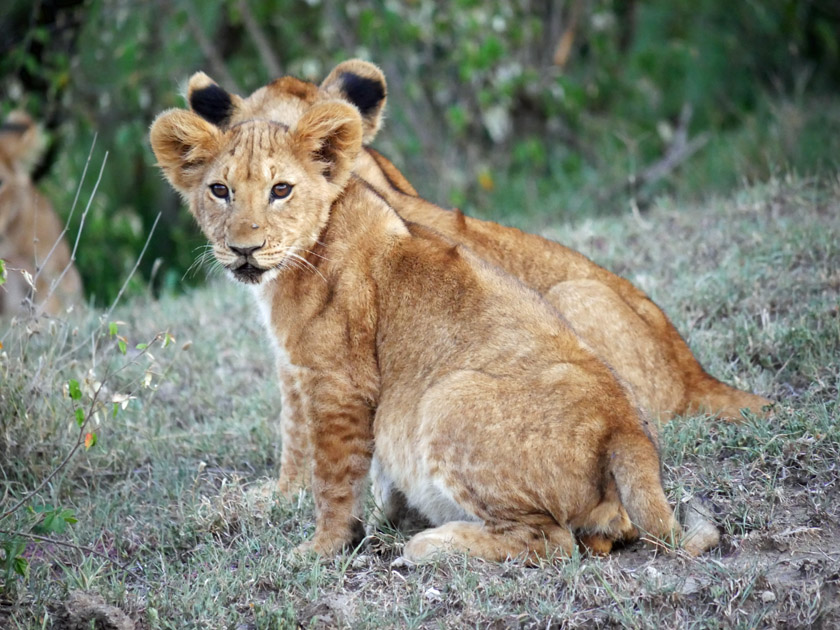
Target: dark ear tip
{"type": "Point", "coordinates": [17, 122]}
{"type": "Point", "coordinates": [365, 93]}
{"type": "Point", "coordinates": [212, 103]}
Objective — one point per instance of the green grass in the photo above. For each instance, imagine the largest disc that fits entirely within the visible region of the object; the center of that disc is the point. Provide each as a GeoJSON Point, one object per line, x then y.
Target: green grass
{"type": "Point", "coordinates": [753, 282]}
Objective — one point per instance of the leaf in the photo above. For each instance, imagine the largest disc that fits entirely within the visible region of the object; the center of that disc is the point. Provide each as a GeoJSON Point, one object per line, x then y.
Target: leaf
{"type": "Point", "coordinates": [73, 389]}
{"type": "Point", "coordinates": [122, 400]}
{"type": "Point", "coordinates": [123, 346]}
{"type": "Point", "coordinates": [80, 416]}
{"type": "Point", "coordinates": [28, 277]}
{"type": "Point", "coordinates": [2, 271]}
{"type": "Point", "coordinates": [14, 563]}
{"type": "Point", "coordinates": [55, 521]}
{"type": "Point", "coordinates": [90, 440]}
{"type": "Point", "coordinates": [21, 566]}
{"type": "Point", "coordinates": [14, 547]}
{"type": "Point", "coordinates": [141, 346]}
{"type": "Point", "coordinates": [485, 180]}
{"type": "Point", "coordinates": [46, 526]}
{"type": "Point", "coordinates": [112, 328]}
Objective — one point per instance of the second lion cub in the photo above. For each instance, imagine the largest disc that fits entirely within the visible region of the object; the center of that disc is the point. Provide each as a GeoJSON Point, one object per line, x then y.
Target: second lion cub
{"type": "Point", "coordinates": [466, 391]}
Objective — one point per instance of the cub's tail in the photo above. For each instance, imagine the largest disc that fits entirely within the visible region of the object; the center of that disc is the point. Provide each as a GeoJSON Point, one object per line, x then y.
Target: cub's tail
{"type": "Point", "coordinates": [715, 397]}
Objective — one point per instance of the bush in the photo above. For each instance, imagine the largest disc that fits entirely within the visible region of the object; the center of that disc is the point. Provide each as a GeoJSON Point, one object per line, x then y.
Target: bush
{"type": "Point", "coordinates": [568, 104]}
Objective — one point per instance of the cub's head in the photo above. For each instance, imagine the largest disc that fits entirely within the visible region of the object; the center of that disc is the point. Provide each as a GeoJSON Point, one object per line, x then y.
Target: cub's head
{"type": "Point", "coordinates": [285, 100]}
{"type": "Point", "coordinates": [21, 143]}
{"type": "Point", "coordinates": [261, 190]}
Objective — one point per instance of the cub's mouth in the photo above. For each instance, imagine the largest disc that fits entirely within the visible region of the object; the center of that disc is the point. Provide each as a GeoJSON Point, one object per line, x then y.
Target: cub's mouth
{"type": "Point", "coordinates": [248, 273]}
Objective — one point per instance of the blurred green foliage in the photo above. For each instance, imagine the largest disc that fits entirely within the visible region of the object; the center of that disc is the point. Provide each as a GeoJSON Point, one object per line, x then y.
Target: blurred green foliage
{"type": "Point", "coordinates": [515, 109]}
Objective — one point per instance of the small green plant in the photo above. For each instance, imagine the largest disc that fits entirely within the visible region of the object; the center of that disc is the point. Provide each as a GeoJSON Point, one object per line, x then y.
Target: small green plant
{"type": "Point", "coordinates": [43, 354]}
{"type": "Point", "coordinates": [89, 405]}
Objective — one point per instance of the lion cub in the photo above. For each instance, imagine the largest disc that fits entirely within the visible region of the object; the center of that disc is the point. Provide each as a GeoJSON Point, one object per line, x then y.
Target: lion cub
{"type": "Point", "coordinates": [30, 231]}
{"type": "Point", "coordinates": [456, 385]}
{"type": "Point", "coordinates": [617, 320]}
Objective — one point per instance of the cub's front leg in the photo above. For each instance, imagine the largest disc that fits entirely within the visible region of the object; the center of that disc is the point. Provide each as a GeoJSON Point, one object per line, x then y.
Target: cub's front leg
{"type": "Point", "coordinates": [341, 432]}
{"type": "Point", "coordinates": [296, 444]}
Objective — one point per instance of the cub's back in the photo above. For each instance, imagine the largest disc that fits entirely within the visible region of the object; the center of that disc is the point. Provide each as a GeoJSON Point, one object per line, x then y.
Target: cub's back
{"type": "Point", "coordinates": [441, 308]}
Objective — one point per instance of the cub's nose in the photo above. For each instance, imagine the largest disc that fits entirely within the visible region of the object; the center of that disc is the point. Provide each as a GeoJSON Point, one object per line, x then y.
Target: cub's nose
{"type": "Point", "coordinates": [245, 250]}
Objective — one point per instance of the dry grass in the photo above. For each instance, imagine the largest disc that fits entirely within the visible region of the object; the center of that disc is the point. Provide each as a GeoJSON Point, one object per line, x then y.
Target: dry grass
{"type": "Point", "coordinates": [752, 281]}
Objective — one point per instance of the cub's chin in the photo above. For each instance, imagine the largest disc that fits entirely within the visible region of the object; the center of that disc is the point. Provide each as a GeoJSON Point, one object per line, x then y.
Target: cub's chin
{"type": "Point", "coordinates": [248, 273]}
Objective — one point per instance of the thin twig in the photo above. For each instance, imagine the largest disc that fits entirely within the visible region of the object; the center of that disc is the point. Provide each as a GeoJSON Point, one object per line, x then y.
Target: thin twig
{"type": "Point", "coordinates": [134, 269]}
{"type": "Point", "coordinates": [266, 53]}
{"type": "Point", "coordinates": [217, 64]}
{"type": "Point", "coordinates": [90, 550]}
{"type": "Point", "coordinates": [69, 216]}
{"type": "Point", "coordinates": [57, 281]}
{"type": "Point", "coordinates": [678, 151]}
{"type": "Point", "coordinates": [91, 409]}
{"type": "Point", "coordinates": [104, 318]}
{"type": "Point", "coordinates": [79, 440]}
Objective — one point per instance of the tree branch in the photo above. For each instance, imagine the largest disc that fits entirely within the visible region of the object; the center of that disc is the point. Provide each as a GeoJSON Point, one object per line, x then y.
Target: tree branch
{"type": "Point", "coordinates": [678, 151]}
{"type": "Point", "coordinates": [269, 59]}
{"type": "Point", "coordinates": [217, 65]}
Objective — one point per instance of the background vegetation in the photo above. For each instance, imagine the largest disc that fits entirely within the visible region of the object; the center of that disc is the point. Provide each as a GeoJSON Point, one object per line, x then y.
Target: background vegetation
{"type": "Point", "coordinates": [522, 111]}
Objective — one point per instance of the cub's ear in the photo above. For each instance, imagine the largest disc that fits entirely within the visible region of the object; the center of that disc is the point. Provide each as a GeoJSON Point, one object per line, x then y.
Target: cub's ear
{"type": "Point", "coordinates": [21, 140]}
{"type": "Point", "coordinates": [362, 84]}
{"type": "Point", "coordinates": [210, 101]}
{"type": "Point", "coordinates": [329, 134]}
{"type": "Point", "coordinates": [184, 144]}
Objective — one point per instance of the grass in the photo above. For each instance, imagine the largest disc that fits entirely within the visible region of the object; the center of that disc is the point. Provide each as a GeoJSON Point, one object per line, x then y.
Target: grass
{"type": "Point", "coordinates": [751, 280]}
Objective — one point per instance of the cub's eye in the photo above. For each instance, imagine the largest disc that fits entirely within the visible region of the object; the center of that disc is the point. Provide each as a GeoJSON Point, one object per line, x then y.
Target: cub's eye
{"type": "Point", "coordinates": [219, 190]}
{"type": "Point", "coordinates": [281, 190]}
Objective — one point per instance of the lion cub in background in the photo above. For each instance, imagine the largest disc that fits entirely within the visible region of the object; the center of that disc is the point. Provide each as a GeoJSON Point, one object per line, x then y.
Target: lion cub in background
{"type": "Point", "coordinates": [31, 234]}
{"type": "Point", "coordinates": [456, 385]}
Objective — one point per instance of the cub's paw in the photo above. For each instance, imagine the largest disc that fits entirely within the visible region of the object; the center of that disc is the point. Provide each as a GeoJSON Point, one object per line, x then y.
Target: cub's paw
{"type": "Point", "coordinates": [596, 544]}
{"type": "Point", "coordinates": [290, 486]}
{"type": "Point", "coordinates": [428, 544]}
{"type": "Point", "coordinates": [262, 497]}
{"type": "Point", "coordinates": [321, 545]}
{"type": "Point", "coordinates": [305, 549]}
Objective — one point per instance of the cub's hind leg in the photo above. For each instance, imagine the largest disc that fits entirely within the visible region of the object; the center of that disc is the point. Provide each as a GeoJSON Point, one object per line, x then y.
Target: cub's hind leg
{"type": "Point", "coordinates": [607, 524]}
{"type": "Point", "coordinates": [494, 542]}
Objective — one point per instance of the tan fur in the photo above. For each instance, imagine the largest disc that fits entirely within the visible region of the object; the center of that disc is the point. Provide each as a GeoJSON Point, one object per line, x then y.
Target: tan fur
{"type": "Point", "coordinates": [407, 353]}
{"type": "Point", "coordinates": [30, 231]}
{"type": "Point", "coordinates": [614, 317]}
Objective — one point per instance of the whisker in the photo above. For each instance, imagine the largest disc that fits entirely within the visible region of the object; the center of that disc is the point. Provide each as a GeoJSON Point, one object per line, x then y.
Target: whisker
{"type": "Point", "coordinates": [205, 259]}
{"type": "Point", "coordinates": [308, 251]}
{"type": "Point", "coordinates": [307, 265]}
